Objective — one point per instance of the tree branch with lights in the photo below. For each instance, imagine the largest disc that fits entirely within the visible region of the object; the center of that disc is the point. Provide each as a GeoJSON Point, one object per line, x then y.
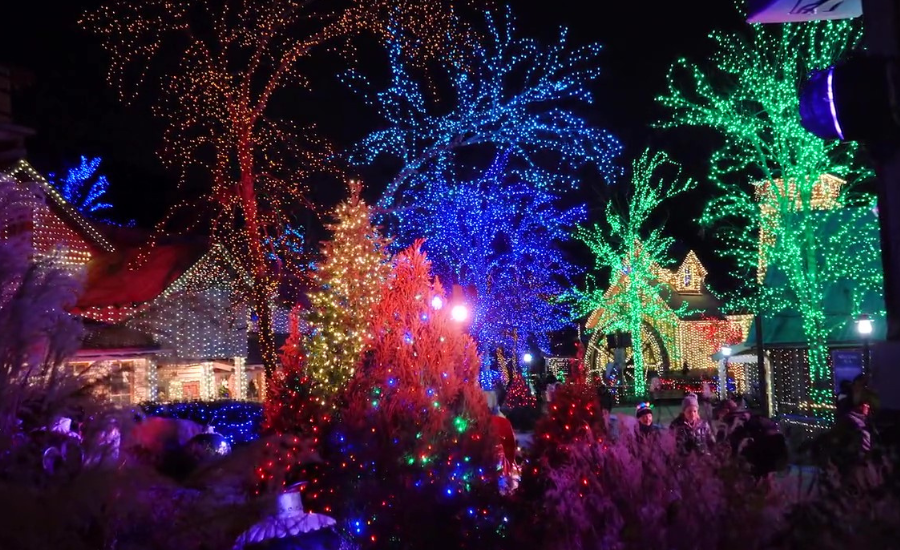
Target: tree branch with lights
{"type": "Point", "coordinates": [632, 250]}
{"type": "Point", "coordinates": [233, 57]}
{"type": "Point", "coordinates": [780, 207]}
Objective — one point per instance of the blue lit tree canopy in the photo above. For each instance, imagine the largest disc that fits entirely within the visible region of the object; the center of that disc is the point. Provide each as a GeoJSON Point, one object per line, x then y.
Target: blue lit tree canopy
{"type": "Point", "coordinates": [510, 95]}
{"type": "Point", "coordinates": [501, 238]}
{"type": "Point", "coordinates": [84, 188]}
{"type": "Point", "coordinates": [483, 160]}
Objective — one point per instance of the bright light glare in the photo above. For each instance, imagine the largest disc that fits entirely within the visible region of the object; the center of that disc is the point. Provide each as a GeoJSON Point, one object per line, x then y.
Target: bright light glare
{"type": "Point", "coordinates": [726, 351]}
{"type": "Point", "coordinates": [437, 302]}
{"type": "Point", "coordinates": [864, 326]}
{"type": "Point", "coordinates": [527, 358]}
{"type": "Point", "coordinates": [459, 313]}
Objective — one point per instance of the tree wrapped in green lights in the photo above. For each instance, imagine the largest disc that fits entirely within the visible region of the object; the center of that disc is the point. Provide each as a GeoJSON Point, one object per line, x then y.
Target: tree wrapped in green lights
{"type": "Point", "coordinates": [348, 285]}
{"type": "Point", "coordinates": [778, 184]}
{"type": "Point", "coordinates": [632, 251]}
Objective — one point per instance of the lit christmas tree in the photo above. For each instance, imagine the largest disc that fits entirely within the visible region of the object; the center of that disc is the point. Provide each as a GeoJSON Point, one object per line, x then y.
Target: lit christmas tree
{"type": "Point", "coordinates": [781, 206]}
{"type": "Point", "coordinates": [632, 250]}
{"type": "Point", "coordinates": [413, 436]}
{"type": "Point", "coordinates": [348, 284]}
{"type": "Point", "coordinates": [518, 395]}
{"type": "Point", "coordinates": [293, 414]}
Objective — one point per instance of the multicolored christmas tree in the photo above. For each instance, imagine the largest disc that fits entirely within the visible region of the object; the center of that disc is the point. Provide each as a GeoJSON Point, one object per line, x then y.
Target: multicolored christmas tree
{"type": "Point", "coordinates": [348, 283]}
{"type": "Point", "coordinates": [412, 440]}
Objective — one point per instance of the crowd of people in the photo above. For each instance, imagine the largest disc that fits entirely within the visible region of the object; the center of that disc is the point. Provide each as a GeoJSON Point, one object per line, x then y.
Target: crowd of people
{"type": "Point", "coordinates": [703, 425]}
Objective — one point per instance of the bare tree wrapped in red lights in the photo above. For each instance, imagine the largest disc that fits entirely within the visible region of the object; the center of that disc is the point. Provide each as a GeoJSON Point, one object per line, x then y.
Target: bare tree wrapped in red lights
{"type": "Point", "coordinates": [413, 442]}
{"type": "Point", "coordinates": [235, 56]}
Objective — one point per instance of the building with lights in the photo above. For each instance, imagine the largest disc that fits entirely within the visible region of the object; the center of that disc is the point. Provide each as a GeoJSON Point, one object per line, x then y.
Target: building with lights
{"type": "Point", "coordinates": [162, 323]}
{"type": "Point", "coordinates": [674, 340]}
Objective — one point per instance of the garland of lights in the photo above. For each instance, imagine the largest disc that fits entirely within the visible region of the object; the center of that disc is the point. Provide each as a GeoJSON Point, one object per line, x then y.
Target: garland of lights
{"type": "Point", "coordinates": [632, 252]}
{"type": "Point", "coordinates": [348, 283]}
{"type": "Point", "coordinates": [786, 222]}
{"type": "Point", "coordinates": [216, 107]}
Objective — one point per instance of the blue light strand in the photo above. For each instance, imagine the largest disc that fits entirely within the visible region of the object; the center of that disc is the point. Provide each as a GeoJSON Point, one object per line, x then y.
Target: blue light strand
{"type": "Point", "coordinates": [237, 421]}
{"type": "Point", "coordinates": [84, 189]}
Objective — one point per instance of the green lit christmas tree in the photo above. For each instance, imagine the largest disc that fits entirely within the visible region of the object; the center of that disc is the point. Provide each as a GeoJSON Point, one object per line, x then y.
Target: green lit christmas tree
{"type": "Point", "coordinates": [782, 202]}
{"type": "Point", "coordinates": [631, 249]}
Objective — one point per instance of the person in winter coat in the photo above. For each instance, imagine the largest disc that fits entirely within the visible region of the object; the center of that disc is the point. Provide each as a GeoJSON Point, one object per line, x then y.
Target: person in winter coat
{"type": "Point", "coordinates": [857, 423]}
{"type": "Point", "coordinates": [844, 399]}
{"type": "Point", "coordinates": [645, 429]}
{"type": "Point", "coordinates": [754, 437]}
{"type": "Point", "coordinates": [692, 433]}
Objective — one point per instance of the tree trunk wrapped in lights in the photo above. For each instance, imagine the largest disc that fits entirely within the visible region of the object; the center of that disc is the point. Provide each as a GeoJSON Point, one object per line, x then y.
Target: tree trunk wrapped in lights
{"type": "Point", "coordinates": [349, 282]}
{"type": "Point", "coordinates": [632, 251]}
{"type": "Point", "coordinates": [780, 187]}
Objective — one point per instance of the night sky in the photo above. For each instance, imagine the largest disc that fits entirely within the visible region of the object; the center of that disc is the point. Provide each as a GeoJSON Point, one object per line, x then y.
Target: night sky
{"type": "Point", "coordinates": [74, 113]}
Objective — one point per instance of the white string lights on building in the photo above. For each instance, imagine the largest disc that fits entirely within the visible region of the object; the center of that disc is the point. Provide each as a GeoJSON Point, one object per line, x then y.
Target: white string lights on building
{"type": "Point", "coordinates": [240, 372]}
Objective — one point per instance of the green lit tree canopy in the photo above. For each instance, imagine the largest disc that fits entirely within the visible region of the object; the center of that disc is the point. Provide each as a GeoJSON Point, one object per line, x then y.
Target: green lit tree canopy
{"type": "Point", "coordinates": [632, 249]}
{"type": "Point", "coordinates": [777, 183]}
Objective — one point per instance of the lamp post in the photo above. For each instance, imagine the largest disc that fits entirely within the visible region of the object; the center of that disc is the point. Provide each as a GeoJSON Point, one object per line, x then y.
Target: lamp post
{"type": "Point", "coordinates": [864, 327]}
{"type": "Point", "coordinates": [723, 374]}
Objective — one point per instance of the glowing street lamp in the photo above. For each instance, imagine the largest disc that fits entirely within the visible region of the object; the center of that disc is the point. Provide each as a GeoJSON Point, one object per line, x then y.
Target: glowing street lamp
{"type": "Point", "coordinates": [864, 327]}
{"type": "Point", "coordinates": [459, 313]}
{"type": "Point", "coordinates": [527, 358]}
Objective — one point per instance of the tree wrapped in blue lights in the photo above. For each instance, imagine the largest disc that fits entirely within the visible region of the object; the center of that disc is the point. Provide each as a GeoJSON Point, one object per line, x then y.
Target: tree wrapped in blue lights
{"type": "Point", "coordinates": [85, 189]}
{"type": "Point", "coordinates": [502, 239]}
{"type": "Point", "coordinates": [514, 108]}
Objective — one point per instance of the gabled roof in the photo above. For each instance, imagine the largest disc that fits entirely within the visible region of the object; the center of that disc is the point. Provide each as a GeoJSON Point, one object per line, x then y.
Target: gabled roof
{"type": "Point", "coordinates": [23, 172]}
{"type": "Point", "coordinates": [122, 279]}
{"type": "Point", "coordinates": [698, 301]}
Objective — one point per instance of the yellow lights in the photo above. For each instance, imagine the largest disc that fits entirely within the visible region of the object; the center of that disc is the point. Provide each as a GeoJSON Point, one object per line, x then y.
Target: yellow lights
{"type": "Point", "coordinates": [666, 338]}
{"type": "Point", "coordinates": [349, 283]}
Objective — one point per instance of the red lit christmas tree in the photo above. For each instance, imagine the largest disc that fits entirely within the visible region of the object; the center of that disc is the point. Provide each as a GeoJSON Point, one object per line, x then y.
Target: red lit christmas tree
{"type": "Point", "coordinates": [519, 395]}
{"type": "Point", "coordinates": [412, 441]}
{"type": "Point", "coordinates": [293, 417]}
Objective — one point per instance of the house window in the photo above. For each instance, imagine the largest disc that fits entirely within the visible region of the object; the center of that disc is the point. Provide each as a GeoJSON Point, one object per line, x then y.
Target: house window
{"type": "Point", "coordinates": [688, 277]}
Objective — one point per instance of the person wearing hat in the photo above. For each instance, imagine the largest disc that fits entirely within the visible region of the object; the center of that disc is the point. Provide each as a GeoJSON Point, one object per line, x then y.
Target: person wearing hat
{"type": "Point", "coordinates": [645, 427]}
{"type": "Point", "coordinates": [692, 433]}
